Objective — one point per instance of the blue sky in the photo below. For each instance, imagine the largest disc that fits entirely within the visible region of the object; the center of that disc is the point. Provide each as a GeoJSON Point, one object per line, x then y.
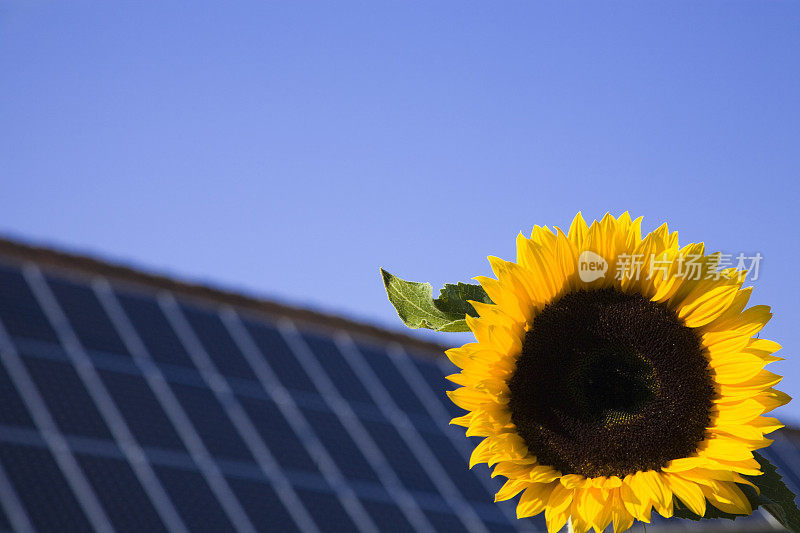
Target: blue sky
{"type": "Point", "coordinates": [288, 149]}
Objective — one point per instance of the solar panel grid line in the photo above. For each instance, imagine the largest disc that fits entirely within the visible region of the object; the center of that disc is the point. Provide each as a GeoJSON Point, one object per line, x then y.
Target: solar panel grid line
{"type": "Point", "coordinates": [353, 426]}
{"type": "Point", "coordinates": [236, 413]}
{"type": "Point", "coordinates": [11, 504]}
{"type": "Point", "coordinates": [103, 401]}
{"type": "Point", "coordinates": [436, 410]}
{"type": "Point", "coordinates": [409, 434]}
{"type": "Point", "coordinates": [291, 412]}
{"type": "Point", "coordinates": [56, 443]}
{"type": "Point", "coordinates": [172, 408]}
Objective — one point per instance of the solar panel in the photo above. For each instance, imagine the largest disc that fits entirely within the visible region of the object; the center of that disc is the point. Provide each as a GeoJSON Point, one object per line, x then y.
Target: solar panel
{"type": "Point", "coordinates": [19, 311]}
{"type": "Point", "coordinates": [197, 504]}
{"type": "Point", "coordinates": [212, 423]}
{"type": "Point", "coordinates": [65, 395]}
{"type": "Point", "coordinates": [282, 361]}
{"type": "Point", "coordinates": [152, 328]}
{"type": "Point", "coordinates": [340, 445]}
{"type": "Point", "coordinates": [141, 410]}
{"type": "Point", "coordinates": [160, 413]}
{"type": "Point", "coordinates": [86, 316]}
{"type": "Point", "coordinates": [47, 498]}
{"type": "Point", "coordinates": [278, 435]}
{"type": "Point", "coordinates": [217, 343]}
{"type": "Point", "coordinates": [12, 409]}
{"type": "Point", "coordinates": [120, 492]}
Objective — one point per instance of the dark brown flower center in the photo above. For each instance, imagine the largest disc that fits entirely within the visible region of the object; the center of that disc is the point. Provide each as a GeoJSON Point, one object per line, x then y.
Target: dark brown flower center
{"type": "Point", "coordinates": [610, 383]}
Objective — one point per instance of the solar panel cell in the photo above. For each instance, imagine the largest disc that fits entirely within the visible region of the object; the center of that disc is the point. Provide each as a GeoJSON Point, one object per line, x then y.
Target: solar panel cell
{"type": "Point", "coordinates": [141, 410]}
{"type": "Point", "coordinates": [396, 385]}
{"type": "Point", "coordinates": [340, 445]}
{"type": "Point", "coordinates": [277, 434]}
{"type": "Point", "coordinates": [262, 505]}
{"type": "Point", "coordinates": [399, 456]}
{"type": "Point", "coordinates": [444, 521]}
{"type": "Point", "coordinates": [218, 343]}
{"type": "Point", "coordinates": [86, 316]}
{"type": "Point", "coordinates": [42, 489]}
{"type": "Point", "coordinates": [279, 356]}
{"type": "Point", "coordinates": [12, 409]}
{"type": "Point", "coordinates": [326, 511]}
{"type": "Point", "coordinates": [193, 499]}
{"type": "Point", "coordinates": [66, 397]}
{"type": "Point", "coordinates": [209, 418]}
{"type": "Point", "coordinates": [19, 311]}
{"type": "Point", "coordinates": [153, 329]}
{"type": "Point", "coordinates": [387, 516]}
{"type": "Point", "coordinates": [435, 378]}
{"type": "Point", "coordinates": [5, 524]}
{"type": "Point", "coordinates": [338, 369]}
{"type": "Point", "coordinates": [120, 493]}
{"type": "Point", "coordinates": [456, 466]}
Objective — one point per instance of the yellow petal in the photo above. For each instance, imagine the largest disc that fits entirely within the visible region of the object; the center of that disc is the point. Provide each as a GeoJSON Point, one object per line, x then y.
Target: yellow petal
{"type": "Point", "coordinates": [534, 499]}
{"type": "Point", "coordinates": [688, 492]}
{"type": "Point", "coordinates": [558, 507]}
{"type": "Point", "coordinates": [623, 520]}
{"type": "Point", "coordinates": [727, 497]}
{"type": "Point", "coordinates": [511, 488]}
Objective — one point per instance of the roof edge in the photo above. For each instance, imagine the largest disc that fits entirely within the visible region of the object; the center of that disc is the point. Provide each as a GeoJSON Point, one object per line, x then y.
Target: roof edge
{"type": "Point", "coordinates": [87, 265]}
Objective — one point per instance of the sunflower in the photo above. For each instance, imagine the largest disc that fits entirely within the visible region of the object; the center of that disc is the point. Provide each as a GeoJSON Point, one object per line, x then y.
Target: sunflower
{"type": "Point", "coordinates": [608, 381]}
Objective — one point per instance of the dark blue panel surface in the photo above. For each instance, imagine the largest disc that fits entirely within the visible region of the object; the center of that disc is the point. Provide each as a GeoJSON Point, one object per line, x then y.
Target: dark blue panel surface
{"type": "Point", "coordinates": [402, 459]}
{"type": "Point", "coordinates": [387, 516]}
{"type": "Point", "coordinates": [457, 467]}
{"type": "Point", "coordinates": [19, 310]}
{"type": "Point", "coordinates": [444, 521]}
{"type": "Point", "coordinates": [398, 388]}
{"type": "Point", "coordinates": [278, 435]}
{"type": "Point", "coordinates": [499, 527]}
{"type": "Point", "coordinates": [67, 398]}
{"type": "Point", "coordinates": [327, 512]}
{"type": "Point", "coordinates": [338, 369]}
{"type": "Point", "coordinates": [5, 524]}
{"type": "Point", "coordinates": [86, 316]}
{"type": "Point", "coordinates": [141, 410]}
{"type": "Point", "coordinates": [279, 356]}
{"type": "Point", "coordinates": [340, 445]}
{"type": "Point", "coordinates": [156, 333]}
{"type": "Point", "coordinates": [218, 343]}
{"type": "Point", "coordinates": [215, 428]}
{"type": "Point", "coordinates": [262, 505]}
{"type": "Point", "coordinates": [193, 499]}
{"type": "Point", "coordinates": [435, 378]}
{"type": "Point", "coordinates": [12, 409]}
{"type": "Point", "coordinates": [41, 487]}
{"type": "Point", "coordinates": [120, 493]}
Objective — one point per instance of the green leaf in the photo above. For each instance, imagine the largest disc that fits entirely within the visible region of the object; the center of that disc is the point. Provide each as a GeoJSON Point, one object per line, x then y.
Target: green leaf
{"type": "Point", "coordinates": [417, 308]}
{"type": "Point", "coordinates": [775, 498]}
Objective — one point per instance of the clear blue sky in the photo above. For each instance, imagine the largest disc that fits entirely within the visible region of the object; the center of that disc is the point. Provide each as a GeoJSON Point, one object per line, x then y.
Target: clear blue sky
{"type": "Point", "coordinates": [290, 148]}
